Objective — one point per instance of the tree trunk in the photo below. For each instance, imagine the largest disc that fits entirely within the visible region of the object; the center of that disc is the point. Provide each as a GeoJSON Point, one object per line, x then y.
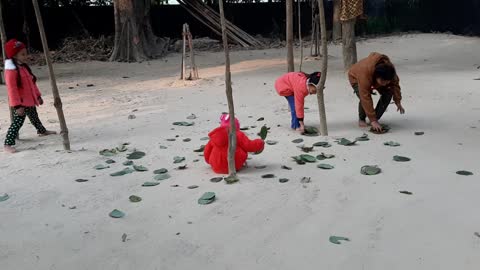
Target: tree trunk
{"type": "Point", "coordinates": [349, 43]}
{"type": "Point", "coordinates": [337, 24]}
{"type": "Point", "coordinates": [299, 7]}
{"type": "Point", "coordinates": [134, 38]}
{"type": "Point", "coordinates": [323, 78]}
{"type": "Point", "coordinates": [232, 133]}
{"type": "Point", "coordinates": [56, 95]}
{"type": "Point", "coordinates": [289, 21]}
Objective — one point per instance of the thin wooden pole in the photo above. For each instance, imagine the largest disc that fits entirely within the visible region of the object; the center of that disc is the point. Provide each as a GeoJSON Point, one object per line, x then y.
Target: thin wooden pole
{"type": "Point", "coordinates": [300, 33]}
{"type": "Point", "coordinates": [184, 53]}
{"type": "Point", "coordinates": [56, 95]}
{"type": "Point", "coordinates": [323, 78]}
{"type": "Point", "coordinates": [232, 133]}
{"type": "Point", "coordinates": [289, 22]}
{"type": "Point", "coordinates": [193, 67]}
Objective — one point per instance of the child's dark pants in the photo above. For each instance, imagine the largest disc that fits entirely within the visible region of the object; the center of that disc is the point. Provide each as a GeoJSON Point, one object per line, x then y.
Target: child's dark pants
{"type": "Point", "coordinates": [18, 121]}
{"type": "Point", "coordinates": [385, 99]}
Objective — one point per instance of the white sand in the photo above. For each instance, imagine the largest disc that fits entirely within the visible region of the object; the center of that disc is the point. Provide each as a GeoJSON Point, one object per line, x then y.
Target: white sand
{"type": "Point", "coordinates": [258, 223]}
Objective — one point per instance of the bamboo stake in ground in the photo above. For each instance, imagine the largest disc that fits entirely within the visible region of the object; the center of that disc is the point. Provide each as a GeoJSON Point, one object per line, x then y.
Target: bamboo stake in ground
{"type": "Point", "coordinates": [184, 53]}
{"type": "Point", "coordinates": [193, 66]}
{"type": "Point", "coordinates": [232, 133]}
{"type": "Point", "coordinates": [289, 21]}
{"type": "Point", "coordinates": [300, 33]}
{"type": "Point", "coordinates": [56, 96]}
{"type": "Point", "coordinates": [323, 78]}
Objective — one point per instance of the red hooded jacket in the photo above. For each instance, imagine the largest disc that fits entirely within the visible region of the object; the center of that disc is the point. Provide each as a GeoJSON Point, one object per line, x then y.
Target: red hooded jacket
{"type": "Point", "coordinates": [216, 151]}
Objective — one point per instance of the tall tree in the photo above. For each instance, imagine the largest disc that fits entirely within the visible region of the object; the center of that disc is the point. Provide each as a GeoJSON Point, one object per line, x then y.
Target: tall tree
{"type": "Point", "coordinates": [323, 77]}
{"type": "Point", "coordinates": [232, 132]}
{"type": "Point", "coordinates": [337, 24]}
{"type": "Point", "coordinates": [350, 10]}
{"type": "Point", "coordinates": [57, 101]}
{"type": "Point", "coordinates": [134, 37]}
{"type": "Point", "coordinates": [289, 22]}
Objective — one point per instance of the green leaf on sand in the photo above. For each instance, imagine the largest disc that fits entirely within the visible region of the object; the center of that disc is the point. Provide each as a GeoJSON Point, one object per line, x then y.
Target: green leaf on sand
{"type": "Point", "coordinates": [160, 171]}
{"type": "Point", "coordinates": [336, 239]}
{"type": "Point", "coordinates": [306, 149]}
{"type": "Point", "coordinates": [297, 141]}
{"type": "Point", "coordinates": [108, 152]}
{"type": "Point", "coordinates": [419, 133]}
{"type": "Point", "coordinates": [4, 197]}
{"type": "Point", "coordinates": [310, 131]}
{"type": "Point", "coordinates": [140, 168]}
{"type": "Point", "coordinates": [244, 128]}
{"type": "Point", "coordinates": [200, 150]}
{"type": "Point", "coordinates": [322, 144]}
{"type": "Point", "coordinates": [161, 177]}
{"type": "Point", "coordinates": [391, 143]}
{"type": "Point", "coordinates": [231, 179]}
{"type": "Point", "coordinates": [192, 187]}
{"type": "Point", "coordinates": [346, 142]}
{"type": "Point", "coordinates": [308, 158]}
{"type": "Point", "coordinates": [464, 173]}
{"type": "Point", "coordinates": [181, 168]}
{"type": "Point", "coordinates": [207, 198]}
{"type": "Point", "coordinates": [150, 184]}
{"type": "Point", "coordinates": [325, 166]}
{"type": "Point", "coordinates": [192, 117]}
{"type": "Point", "coordinates": [177, 160]}
{"type": "Point", "coordinates": [116, 214]}
{"type": "Point", "coordinates": [183, 124]}
{"type": "Point", "coordinates": [122, 172]}
{"type": "Point", "coordinates": [122, 148]}
{"type": "Point", "coordinates": [128, 163]}
{"type": "Point", "coordinates": [81, 180]}
{"type": "Point", "coordinates": [260, 167]}
{"type": "Point", "coordinates": [363, 138]}
{"type": "Point", "coordinates": [263, 132]}
{"type": "Point", "coordinates": [401, 159]}
{"type": "Point", "coordinates": [286, 168]}
{"type": "Point", "coordinates": [101, 167]}
{"type": "Point", "coordinates": [187, 140]}
{"type": "Point", "coordinates": [370, 170]}
{"type": "Point", "coordinates": [260, 119]}
{"type": "Point", "coordinates": [299, 160]}
{"type": "Point", "coordinates": [283, 180]}
{"type": "Point", "coordinates": [136, 155]}
{"type": "Point", "coordinates": [271, 142]}
{"type": "Point", "coordinates": [216, 179]}
{"type": "Point", "coordinates": [110, 161]}
{"type": "Point", "coordinates": [268, 176]}
{"type": "Point", "coordinates": [135, 199]}
{"type": "Point", "coordinates": [324, 156]}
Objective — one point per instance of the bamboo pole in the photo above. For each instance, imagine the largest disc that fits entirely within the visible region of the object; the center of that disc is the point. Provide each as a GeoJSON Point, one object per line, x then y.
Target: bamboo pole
{"type": "Point", "coordinates": [184, 52]}
{"type": "Point", "coordinates": [232, 133]}
{"type": "Point", "coordinates": [299, 7]}
{"type": "Point", "coordinates": [289, 22]}
{"type": "Point", "coordinates": [56, 95]}
{"type": "Point", "coordinates": [323, 77]}
{"type": "Point", "coordinates": [193, 66]}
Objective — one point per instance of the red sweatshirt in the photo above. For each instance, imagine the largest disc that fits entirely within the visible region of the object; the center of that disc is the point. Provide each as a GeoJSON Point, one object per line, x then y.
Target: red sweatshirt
{"type": "Point", "coordinates": [27, 94]}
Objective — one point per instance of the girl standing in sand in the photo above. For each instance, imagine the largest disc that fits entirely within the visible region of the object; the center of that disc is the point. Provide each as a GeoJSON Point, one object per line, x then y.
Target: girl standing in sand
{"type": "Point", "coordinates": [295, 86]}
{"type": "Point", "coordinates": [23, 93]}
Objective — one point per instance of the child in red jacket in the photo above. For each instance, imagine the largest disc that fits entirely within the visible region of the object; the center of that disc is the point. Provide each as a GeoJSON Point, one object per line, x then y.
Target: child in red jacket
{"type": "Point", "coordinates": [216, 151]}
{"type": "Point", "coordinates": [295, 86]}
{"type": "Point", "coordinates": [23, 93]}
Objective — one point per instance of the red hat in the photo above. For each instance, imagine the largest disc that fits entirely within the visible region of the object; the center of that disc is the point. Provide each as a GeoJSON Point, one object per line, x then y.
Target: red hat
{"type": "Point", "coordinates": [12, 47]}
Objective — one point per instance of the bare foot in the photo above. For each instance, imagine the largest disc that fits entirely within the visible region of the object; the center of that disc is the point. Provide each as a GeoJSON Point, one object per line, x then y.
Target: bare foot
{"type": "Point", "coordinates": [48, 132]}
{"type": "Point", "coordinates": [362, 123]}
{"type": "Point", "coordinates": [9, 149]}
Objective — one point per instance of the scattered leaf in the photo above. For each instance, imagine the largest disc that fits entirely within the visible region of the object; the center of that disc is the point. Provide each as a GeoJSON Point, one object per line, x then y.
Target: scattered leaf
{"type": "Point", "coordinates": [207, 198]}
{"type": "Point", "coordinates": [200, 150]}
{"type": "Point", "coordinates": [183, 124]}
{"type": "Point", "coordinates": [363, 138]}
{"type": "Point", "coordinates": [464, 173]}
{"type": "Point", "coordinates": [131, 117]}
{"type": "Point", "coordinates": [263, 132]}
{"type": "Point", "coordinates": [122, 172]}
{"type": "Point", "coordinates": [140, 168]}
{"type": "Point", "coordinates": [283, 180]}
{"type": "Point", "coordinates": [160, 171]}
{"type": "Point", "coordinates": [150, 184]}
{"type": "Point", "coordinates": [370, 170]}
{"type": "Point", "coordinates": [193, 187]}
{"type": "Point", "coordinates": [268, 176]}
{"type": "Point", "coordinates": [297, 141]}
{"type": "Point", "coordinates": [81, 180]}
{"type": "Point", "coordinates": [116, 214]}
{"type": "Point", "coordinates": [108, 152]}
{"type": "Point", "coordinates": [260, 167]}
{"type": "Point", "coordinates": [336, 239]}
{"type": "Point", "coordinates": [253, 126]}
{"type": "Point", "coordinates": [161, 177]}
{"type": "Point", "coordinates": [244, 128]}
{"type": "Point", "coordinates": [271, 142]}
{"type": "Point", "coordinates": [192, 117]}
{"type": "Point", "coordinates": [325, 166]}
{"type": "Point", "coordinates": [310, 131]}
{"type": "Point", "coordinates": [4, 197]}
{"type": "Point", "coordinates": [231, 180]}
{"type": "Point", "coordinates": [260, 119]}
{"type": "Point", "coordinates": [181, 168]}
{"type": "Point", "coordinates": [299, 160]}
{"type": "Point", "coordinates": [110, 161]}
{"type": "Point", "coordinates": [124, 237]}
{"type": "Point", "coordinates": [187, 140]}
{"type": "Point", "coordinates": [305, 180]}
{"type": "Point", "coordinates": [322, 144]}
{"type": "Point", "coordinates": [308, 158]}
{"type": "Point", "coordinates": [346, 142]}
{"type": "Point", "coordinates": [136, 155]}
{"type": "Point", "coordinates": [477, 234]}
{"type": "Point", "coordinates": [324, 156]}
{"type": "Point", "coordinates": [391, 143]}
{"type": "Point", "coordinates": [177, 160]}
{"type": "Point", "coordinates": [286, 168]}
{"type": "Point", "coordinates": [101, 167]}
{"type": "Point", "coordinates": [171, 140]}
{"type": "Point", "coordinates": [406, 192]}
{"type": "Point", "coordinates": [135, 199]}
{"type": "Point", "coordinates": [122, 148]}
{"type": "Point", "coordinates": [306, 149]}
{"type": "Point", "coordinates": [401, 159]}
{"type": "Point", "coordinates": [163, 147]}
{"type": "Point", "coordinates": [419, 133]}
{"type": "Point", "coordinates": [128, 163]}
{"type": "Point", "coordinates": [216, 179]}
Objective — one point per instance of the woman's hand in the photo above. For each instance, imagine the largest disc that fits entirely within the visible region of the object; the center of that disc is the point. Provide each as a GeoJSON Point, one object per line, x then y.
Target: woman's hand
{"type": "Point", "coordinates": [376, 126]}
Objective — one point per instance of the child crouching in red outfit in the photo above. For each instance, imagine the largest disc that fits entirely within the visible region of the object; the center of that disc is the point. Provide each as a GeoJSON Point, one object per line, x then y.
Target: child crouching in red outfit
{"type": "Point", "coordinates": [216, 151]}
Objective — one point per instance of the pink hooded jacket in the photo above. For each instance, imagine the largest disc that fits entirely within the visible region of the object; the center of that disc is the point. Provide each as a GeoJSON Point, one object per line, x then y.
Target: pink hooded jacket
{"type": "Point", "coordinates": [294, 84]}
{"type": "Point", "coordinates": [28, 94]}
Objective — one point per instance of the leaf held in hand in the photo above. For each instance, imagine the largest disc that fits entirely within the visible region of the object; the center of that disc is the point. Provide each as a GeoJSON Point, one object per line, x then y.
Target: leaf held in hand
{"type": "Point", "coordinates": [370, 170]}
{"type": "Point", "coordinates": [401, 159]}
{"type": "Point", "coordinates": [135, 199]}
{"type": "Point", "coordinates": [136, 155]}
{"type": "Point", "coordinates": [263, 132]}
{"type": "Point", "coordinates": [116, 214]}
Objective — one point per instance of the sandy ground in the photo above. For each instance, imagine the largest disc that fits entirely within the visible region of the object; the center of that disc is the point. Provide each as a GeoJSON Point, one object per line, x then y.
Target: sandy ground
{"type": "Point", "coordinates": [257, 223]}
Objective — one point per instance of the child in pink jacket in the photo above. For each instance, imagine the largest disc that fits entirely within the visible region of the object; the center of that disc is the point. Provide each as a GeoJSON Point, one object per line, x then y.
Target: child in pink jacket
{"type": "Point", "coordinates": [295, 86]}
{"type": "Point", "coordinates": [23, 93]}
